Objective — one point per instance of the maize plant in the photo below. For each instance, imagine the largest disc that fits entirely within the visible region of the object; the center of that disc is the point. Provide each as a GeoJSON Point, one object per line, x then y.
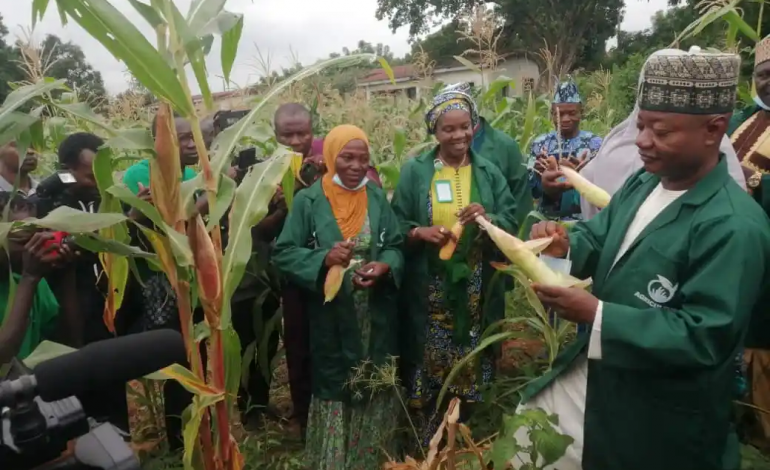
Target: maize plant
{"type": "Point", "coordinates": [188, 251]}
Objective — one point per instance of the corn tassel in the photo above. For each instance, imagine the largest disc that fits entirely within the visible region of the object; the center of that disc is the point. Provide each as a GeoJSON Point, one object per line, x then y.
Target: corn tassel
{"type": "Point", "coordinates": [524, 255]}
{"type": "Point", "coordinates": [334, 279]}
{"type": "Point", "coordinates": [592, 193]}
{"type": "Point", "coordinates": [449, 248]}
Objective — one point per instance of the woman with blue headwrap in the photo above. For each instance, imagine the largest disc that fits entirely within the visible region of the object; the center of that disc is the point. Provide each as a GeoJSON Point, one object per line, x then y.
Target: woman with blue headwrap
{"type": "Point", "coordinates": [447, 304]}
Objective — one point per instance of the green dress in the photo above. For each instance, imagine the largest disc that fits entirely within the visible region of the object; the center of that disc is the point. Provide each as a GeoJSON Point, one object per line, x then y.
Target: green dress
{"type": "Point", "coordinates": [353, 344]}
{"type": "Point", "coordinates": [660, 396]}
{"type": "Point", "coordinates": [432, 343]}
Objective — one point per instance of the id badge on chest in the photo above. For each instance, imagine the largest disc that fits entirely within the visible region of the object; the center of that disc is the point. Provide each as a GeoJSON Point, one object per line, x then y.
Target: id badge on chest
{"type": "Point", "coordinates": [444, 191]}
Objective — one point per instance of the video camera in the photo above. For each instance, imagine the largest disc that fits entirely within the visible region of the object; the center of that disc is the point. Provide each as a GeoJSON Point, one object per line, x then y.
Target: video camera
{"type": "Point", "coordinates": [49, 188]}
{"type": "Point", "coordinates": [44, 426]}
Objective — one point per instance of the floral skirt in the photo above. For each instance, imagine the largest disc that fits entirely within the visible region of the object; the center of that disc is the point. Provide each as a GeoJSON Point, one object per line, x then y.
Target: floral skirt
{"type": "Point", "coordinates": [356, 436]}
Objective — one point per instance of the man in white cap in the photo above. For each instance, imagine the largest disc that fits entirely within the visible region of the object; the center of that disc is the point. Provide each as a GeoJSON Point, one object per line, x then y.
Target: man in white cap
{"type": "Point", "coordinates": [619, 158]}
{"type": "Point", "coordinates": [678, 258]}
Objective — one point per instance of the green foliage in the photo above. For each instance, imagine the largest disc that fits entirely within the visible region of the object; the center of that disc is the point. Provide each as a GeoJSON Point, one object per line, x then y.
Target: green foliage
{"type": "Point", "coordinates": [576, 35]}
{"type": "Point", "coordinates": [546, 445]}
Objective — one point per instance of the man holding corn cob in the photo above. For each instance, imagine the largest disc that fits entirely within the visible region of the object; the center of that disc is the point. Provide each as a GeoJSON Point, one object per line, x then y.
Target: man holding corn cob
{"type": "Point", "coordinates": [678, 259]}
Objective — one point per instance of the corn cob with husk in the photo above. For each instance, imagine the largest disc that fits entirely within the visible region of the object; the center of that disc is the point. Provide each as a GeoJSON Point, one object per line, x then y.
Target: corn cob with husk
{"type": "Point", "coordinates": [524, 256]}
{"type": "Point", "coordinates": [448, 249]}
{"type": "Point", "coordinates": [334, 279]}
{"type": "Point", "coordinates": [592, 193]}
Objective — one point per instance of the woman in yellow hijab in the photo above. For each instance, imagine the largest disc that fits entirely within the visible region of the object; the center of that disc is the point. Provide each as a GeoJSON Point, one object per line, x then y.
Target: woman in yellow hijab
{"type": "Point", "coordinates": [345, 220]}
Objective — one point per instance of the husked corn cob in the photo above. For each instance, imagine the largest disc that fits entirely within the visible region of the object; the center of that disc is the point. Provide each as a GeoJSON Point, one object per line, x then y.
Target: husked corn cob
{"type": "Point", "coordinates": [448, 250]}
{"type": "Point", "coordinates": [334, 278]}
{"type": "Point", "coordinates": [592, 193]}
{"type": "Point", "coordinates": [524, 256]}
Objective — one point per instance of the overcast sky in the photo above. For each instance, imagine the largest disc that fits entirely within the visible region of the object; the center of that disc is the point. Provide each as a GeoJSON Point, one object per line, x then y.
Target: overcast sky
{"type": "Point", "coordinates": [311, 28]}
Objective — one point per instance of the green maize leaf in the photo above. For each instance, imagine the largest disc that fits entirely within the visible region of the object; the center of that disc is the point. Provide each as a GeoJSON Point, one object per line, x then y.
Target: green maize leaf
{"type": "Point", "coordinates": [399, 143]}
{"type": "Point", "coordinates": [391, 172]}
{"type": "Point", "coordinates": [131, 139]}
{"type": "Point", "coordinates": [287, 185]}
{"type": "Point", "coordinates": [202, 11]}
{"type": "Point", "coordinates": [497, 87]}
{"type": "Point", "coordinates": [178, 241]}
{"type": "Point", "coordinates": [192, 415]}
{"type": "Point", "coordinates": [9, 127]}
{"type": "Point", "coordinates": [220, 24]}
{"type": "Point", "coordinates": [273, 324]}
{"type": "Point", "coordinates": [148, 13]}
{"type": "Point", "coordinates": [194, 50]}
{"type": "Point", "coordinates": [98, 244]}
{"type": "Point", "coordinates": [225, 195]}
{"type": "Point", "coordinates": [736, 21]}
{"type": "Point", "coordinates": [67, 219]}
{"type": "Point", "coordinates": [15, 125]}
{"type": "Point", "coordinates": [38, 10]}
{"type": "Point", "coordinates": [111, 28]}
{"type": "Point", "coordinates": [249, 208]}
{"type": "Point", "coordinates": [230, 40]}
{"type": "Point", "coordinates": [463, 363]}
{"type": "Point", "coordinates": [45, 351]}
{"type": "Point", "coordinates": [231, 346]}
{"type": "Point", "coordinates": [83, 112]}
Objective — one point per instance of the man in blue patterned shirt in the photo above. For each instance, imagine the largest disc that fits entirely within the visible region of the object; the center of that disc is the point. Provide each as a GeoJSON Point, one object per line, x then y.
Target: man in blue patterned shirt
{"type": "Point", "coordinates": [567, 145]}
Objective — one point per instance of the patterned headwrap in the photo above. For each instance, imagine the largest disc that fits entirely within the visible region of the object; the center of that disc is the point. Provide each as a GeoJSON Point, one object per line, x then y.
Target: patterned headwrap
{"type": "Point", "coordinates": [567, 92]}
{"type": "Point", "coordinates": [457, 96]}
{"type": "Point", "coordinates": [762, 52]}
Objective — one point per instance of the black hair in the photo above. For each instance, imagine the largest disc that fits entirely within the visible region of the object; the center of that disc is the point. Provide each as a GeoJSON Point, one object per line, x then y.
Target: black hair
{"type": "Point", "coordinates": [71, 147]}
{"type": "Point", "coordinates": [292, 110]}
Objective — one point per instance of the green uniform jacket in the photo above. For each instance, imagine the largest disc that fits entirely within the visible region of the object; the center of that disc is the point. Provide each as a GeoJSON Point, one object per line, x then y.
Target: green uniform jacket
{"type": "Point", "coordinates": [740, 117]}
{"type": "Point", "coordinates": [500, 149]}
{"type": "Point", "coordinates": [660, 397]}
{"type": "Point", "coordinates": [335, 340]}
{"type": "Point", "coordinates": [410, 203]}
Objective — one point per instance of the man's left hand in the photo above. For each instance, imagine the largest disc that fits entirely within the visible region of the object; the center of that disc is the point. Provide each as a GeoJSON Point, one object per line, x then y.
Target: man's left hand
{"type": "Point", "coordinates": [571, 303]}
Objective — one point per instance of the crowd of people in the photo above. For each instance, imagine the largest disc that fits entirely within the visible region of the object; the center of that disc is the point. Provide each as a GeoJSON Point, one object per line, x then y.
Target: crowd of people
{"type": "Point", "coordinates": [673, 330]}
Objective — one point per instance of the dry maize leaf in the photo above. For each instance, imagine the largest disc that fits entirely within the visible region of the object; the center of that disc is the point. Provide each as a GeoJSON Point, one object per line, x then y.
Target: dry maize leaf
{"type": "Point", "coordinates": [590, 192]}
{"type": "Point", "coordinates": [162, 248]}
{"type": "Point", "coordinates": [448, 250]}
{"type": "Point", "coordinates": [334, 278]}
{"type": "Point", "coordinates": [465, 431]}
{"type": "Point", "coordinates": [165, 171]}
{"type": "Point", "coordinates": [207, 269]}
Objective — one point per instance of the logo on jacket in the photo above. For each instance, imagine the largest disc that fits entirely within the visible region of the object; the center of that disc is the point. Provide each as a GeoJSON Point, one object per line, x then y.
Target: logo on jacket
{"type": "Point", "coordinates": [660, 291]}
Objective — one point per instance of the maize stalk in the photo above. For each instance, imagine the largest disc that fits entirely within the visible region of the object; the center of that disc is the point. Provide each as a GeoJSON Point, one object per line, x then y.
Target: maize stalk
{"type": "Point", "coordinates": [448, 249]}
{"type": "Point", "coordinates": [592, 193]}
{"type": "Point", "coordinates": [524, 255]}
{"type": "Point", "coordinates": [334, 279]}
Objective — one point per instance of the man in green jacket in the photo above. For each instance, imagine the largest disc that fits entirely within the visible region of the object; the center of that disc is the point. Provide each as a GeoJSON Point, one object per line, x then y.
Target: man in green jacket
{"type": "Point", "coordinates": [679, 259]}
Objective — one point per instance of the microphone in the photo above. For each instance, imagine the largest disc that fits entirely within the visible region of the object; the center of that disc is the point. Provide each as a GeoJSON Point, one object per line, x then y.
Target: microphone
{"type": "Point", "coordinates": [108, 362]}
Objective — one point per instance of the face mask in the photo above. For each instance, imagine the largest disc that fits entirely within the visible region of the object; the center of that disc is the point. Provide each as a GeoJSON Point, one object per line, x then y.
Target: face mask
{"type": "Point", "coordinates": [339, 183]}
{"type": "Point", "coordinates": [761, 103]}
